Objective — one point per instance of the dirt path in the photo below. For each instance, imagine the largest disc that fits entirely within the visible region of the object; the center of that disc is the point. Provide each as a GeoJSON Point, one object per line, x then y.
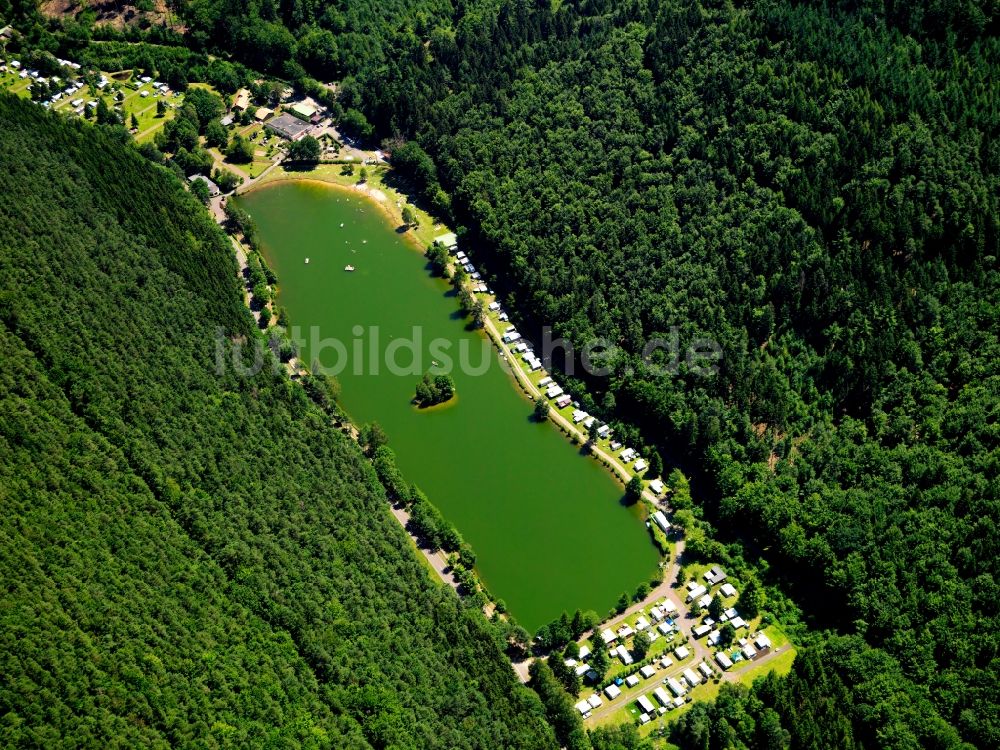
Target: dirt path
{"type": "Point", "coordinates": [436, 559]}
{"type": "Point", "coordinates": [221, 163]}
{"type": "Point", "coordinates": [730, 676]}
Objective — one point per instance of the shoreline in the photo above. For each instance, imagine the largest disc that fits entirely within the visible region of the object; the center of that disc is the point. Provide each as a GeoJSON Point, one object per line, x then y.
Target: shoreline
{"type": "Point", "coordinates": [389, 212]}
{"type": "Point", "coordinates": [436, 560]}
{"type": "Point", "coordinates": [507, 360]}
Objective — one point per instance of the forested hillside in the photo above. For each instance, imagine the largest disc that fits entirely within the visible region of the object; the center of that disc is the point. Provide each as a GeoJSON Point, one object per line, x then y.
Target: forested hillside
{"type": "Point", "coordinates": [813, 186]}
{"type": "Point", "coordinates": [193, 558]}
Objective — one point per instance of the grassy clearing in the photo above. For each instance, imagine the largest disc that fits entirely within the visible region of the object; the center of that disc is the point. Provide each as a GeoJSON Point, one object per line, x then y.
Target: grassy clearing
{"type": "Point", "coordinates": [12, 83]}
{"type": "Point", "coordinates": [133, 102]}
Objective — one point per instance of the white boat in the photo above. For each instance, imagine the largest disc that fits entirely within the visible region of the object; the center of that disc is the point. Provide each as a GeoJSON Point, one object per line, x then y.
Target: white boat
{"type": "Point", "coordinates": [307, 261]}
{"type": "Point", "coordinates": [348, 268]}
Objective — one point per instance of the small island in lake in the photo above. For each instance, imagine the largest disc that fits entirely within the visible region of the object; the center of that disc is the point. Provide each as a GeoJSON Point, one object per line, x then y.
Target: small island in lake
{"type": "Point", "coordinates": [434, 389]}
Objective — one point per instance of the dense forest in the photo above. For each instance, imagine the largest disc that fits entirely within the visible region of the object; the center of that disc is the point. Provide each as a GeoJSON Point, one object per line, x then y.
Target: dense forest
{"type": "Point", "coordinates": [194, 557]}
{"type": "Point", "coordinates": [812, 186]}
{"type": "Point", "coordinates": [815, 188]}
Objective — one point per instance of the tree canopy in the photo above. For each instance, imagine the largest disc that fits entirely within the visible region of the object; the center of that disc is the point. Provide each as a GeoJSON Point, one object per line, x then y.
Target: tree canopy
{"type": "Point", "coordinates": [193, 553]}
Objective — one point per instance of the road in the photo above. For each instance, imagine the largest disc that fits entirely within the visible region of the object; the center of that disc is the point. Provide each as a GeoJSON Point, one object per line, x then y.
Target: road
{"type": "Point", "coordinates": [436, 559]}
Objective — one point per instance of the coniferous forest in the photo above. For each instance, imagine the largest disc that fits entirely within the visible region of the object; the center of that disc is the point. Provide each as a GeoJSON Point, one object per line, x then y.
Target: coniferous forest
{"type": "Point", "coordinates": [814, 186]}
{"type": "Point", "coordinates": [193, 557]}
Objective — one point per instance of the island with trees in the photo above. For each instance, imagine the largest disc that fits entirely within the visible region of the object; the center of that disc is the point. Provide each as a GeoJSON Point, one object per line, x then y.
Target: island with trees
{"type": "Point", "coordinates": [813, 186]}
{"type": "Point", "coordinates": [434, 389]}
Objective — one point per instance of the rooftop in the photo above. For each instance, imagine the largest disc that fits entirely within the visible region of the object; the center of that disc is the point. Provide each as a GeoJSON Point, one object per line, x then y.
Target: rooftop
{"type": "Point", "coordinates": [288, 127]}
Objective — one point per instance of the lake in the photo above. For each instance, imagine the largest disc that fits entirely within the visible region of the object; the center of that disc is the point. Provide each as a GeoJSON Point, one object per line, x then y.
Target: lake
{"type": "Point", "coordinates": [547, 524]}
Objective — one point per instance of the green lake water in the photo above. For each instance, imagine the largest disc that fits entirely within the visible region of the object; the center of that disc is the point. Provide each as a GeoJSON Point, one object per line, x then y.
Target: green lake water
{"type": "Point", "coordinates": [547, 524]}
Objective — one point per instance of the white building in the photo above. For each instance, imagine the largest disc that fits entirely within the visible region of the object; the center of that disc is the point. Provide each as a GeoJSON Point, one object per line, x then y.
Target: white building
{"type": "Point", "coordinates": [715, 575]}
{"type": "Point", "coordinates": [656, 487]}
{"type": "Point", "coordinates": [647, 671]}
{"type": "Point", "coordinates": [662, 697]}
{"type": "Point", "coordinates": [681, 653]}
{"type": "Point", "coordinates": [645, 704]}
{"type": "Point", "coordinates": [612, 691]}
{"type": "Point", "coordinates": [692, 678]}
{"type": "Point", "coordinates": [624, 655]}
{"type": "Point", "coordinates": [661, 521]}
{"type": "Point", "coordinates": [723, 661]}
{"type": "Point", "coordinates": [727, 590]}
{"type": "Point", "coordinates": [696, 593]}
{"type": "Point", "coordinates": [675, 687]}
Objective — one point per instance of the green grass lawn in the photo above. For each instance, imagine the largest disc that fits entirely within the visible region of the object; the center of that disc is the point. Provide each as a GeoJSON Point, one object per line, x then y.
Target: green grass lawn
{"type": "Point", "coordinates": [257, 166]}
{"type": "Point", "coordinates": [782, 664]}
{"type": "Point", "coordinates": [628, 710]}
{"type": "Point", "coordinates": [143, 107]}
{"type": "Point", "coordinates": [12, 83]}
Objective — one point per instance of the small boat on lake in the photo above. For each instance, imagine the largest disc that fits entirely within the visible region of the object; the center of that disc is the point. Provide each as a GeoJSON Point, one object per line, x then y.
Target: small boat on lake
{"type": "Point", "coordinates": [307, 261]}
{"type": "Point", "coordinates": [348, 268]}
